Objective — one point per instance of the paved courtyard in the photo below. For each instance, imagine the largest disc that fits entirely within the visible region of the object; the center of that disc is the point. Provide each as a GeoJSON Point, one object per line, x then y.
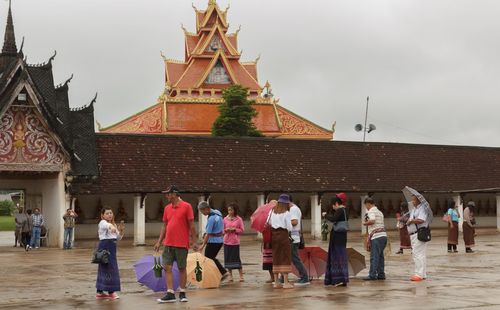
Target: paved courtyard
{"type": "Point", "coordinates": [56, 279]}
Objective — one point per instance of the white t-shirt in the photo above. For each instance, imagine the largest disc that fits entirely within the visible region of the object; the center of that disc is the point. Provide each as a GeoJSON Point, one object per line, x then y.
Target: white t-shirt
{"type": "Point", "coordinates": [374, 214]}
{"type": "Point", "coordinates": [420, 213]}
{"type": "Point", "coordinates": [282, 220]}
{"type": "Point", "coordinates": [104, 230]}
{"type": "Point", "coordinates": [296, 214]}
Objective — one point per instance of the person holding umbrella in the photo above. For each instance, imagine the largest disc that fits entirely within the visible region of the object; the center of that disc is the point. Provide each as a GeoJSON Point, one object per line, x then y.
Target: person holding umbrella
{"type": "Point", "coordinates": [418, 218]}
{"type": "Point", "coordinates": [175, 235]}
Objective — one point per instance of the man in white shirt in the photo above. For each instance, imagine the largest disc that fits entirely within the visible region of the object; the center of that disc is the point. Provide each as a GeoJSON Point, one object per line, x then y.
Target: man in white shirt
{"type": "Point", "coordinates": [296, 216]}
{"type": "Point", "coordinates": [377, 238]}
{"type": "Point", "coordinates": [418, 218]}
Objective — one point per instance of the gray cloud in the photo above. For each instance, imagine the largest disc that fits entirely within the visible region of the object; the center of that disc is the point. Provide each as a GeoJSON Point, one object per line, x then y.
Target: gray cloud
{"type": "Point", "coordinates": [429, 67]}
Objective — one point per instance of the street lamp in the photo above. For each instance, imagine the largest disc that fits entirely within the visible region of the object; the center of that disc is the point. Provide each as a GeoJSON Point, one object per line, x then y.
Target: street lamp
{"type": "Point", "coordinates": [365, 129]}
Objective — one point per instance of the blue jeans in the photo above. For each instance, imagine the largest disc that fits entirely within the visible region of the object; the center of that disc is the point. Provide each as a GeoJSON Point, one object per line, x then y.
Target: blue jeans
{"type": "Point", "coordinates": [377, 262]}
{"type": "Point", "coordinates": [35, 237]}
{"type": "Point", "coordinates": [298, 263]}
{"type": "Point", "coordinates": [68, 237]}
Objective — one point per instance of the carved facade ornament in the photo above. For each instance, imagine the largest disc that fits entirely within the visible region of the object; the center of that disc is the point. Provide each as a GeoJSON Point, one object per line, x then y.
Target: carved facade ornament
{"type": "Point", "coordinates": [145, 122]}
{"type": "Point", "coordinates": [25, 140]}
{"type": "Point", "coordinates": [293, 125]}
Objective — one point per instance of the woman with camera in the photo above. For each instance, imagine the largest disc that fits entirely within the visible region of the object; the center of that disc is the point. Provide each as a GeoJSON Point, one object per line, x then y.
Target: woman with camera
{"type": "Point", "coordinates": [108, 275]}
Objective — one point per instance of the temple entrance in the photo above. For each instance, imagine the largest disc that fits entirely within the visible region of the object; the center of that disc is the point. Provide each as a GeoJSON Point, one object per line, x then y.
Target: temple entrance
{"type": "Point", "coordinates": [42, 190]}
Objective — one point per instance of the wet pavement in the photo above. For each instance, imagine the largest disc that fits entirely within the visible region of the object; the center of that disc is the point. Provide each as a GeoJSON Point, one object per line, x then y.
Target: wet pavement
{"type": "Point", "coordinates": [57, 279]}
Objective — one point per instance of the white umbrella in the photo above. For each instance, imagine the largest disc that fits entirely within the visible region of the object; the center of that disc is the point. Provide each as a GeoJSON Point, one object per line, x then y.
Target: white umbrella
{"type": "Point", "coordinates": [408, 192]}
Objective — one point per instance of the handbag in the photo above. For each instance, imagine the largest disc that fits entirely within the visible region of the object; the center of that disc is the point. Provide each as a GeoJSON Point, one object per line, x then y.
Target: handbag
{"type": "Point", "coordinates": [341, 226]}
{"type": "Point", "coordinates": [423, 234]}
{"type": "Point", "coordinates": [100, 257]}
{"type": "Point", "coordinates": [446, 218]}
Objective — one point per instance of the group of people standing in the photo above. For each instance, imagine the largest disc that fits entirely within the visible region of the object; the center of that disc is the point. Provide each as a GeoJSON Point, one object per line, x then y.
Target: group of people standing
{"type": "Point", "coordinates": [452, 217]}
{"type": "Point", "coordinates": [29, 227]}
{"type": "Point", "coordinates": [281, 241]}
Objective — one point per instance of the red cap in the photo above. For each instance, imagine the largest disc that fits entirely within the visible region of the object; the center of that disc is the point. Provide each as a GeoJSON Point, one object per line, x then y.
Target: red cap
{"type": "Point", "coordinates": [342, 197]}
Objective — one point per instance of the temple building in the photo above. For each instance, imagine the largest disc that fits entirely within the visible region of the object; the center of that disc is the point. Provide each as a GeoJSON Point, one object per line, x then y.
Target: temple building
{"type": "Point", "coordinates": [44, 145]}
{"type": "Point", "coordinates": [193, 88]}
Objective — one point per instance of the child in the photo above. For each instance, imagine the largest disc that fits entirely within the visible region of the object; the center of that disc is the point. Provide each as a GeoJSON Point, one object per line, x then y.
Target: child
{"type": "Point", "coordinates": [233, 228]}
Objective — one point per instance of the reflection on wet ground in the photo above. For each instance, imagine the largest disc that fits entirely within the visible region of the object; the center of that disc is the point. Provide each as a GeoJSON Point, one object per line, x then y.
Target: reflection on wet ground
{"type": "Point", "coordinates": [57, 279]}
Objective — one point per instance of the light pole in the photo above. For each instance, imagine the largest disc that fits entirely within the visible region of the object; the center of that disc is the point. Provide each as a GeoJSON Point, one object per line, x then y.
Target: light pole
{"type": "Point", "coordinates": [365, 129]}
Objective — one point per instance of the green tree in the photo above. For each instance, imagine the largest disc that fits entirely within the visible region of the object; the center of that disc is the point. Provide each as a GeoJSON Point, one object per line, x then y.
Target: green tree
{"type": "Point", "coordinates": [6, 207]}
{"type": "Point", "coordinates": [236, 114]}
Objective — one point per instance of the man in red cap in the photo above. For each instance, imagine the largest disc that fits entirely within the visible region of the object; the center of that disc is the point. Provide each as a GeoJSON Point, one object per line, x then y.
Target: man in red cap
{"type": "Point", "coordinates": [179, 225]}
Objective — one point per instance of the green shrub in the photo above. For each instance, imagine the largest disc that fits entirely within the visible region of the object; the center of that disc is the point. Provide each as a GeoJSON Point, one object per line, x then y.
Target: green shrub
{"type": "Point", "coordinates": [7, 207]}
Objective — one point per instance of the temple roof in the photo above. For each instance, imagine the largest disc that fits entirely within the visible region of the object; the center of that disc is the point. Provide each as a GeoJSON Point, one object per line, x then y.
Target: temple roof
{"type": "Point", "coordinates": [73, 128]}
{"type": "Point", "coordinates": [211, 165]}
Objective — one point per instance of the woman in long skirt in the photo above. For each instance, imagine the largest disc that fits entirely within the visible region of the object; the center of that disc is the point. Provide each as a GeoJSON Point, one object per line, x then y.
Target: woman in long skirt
{"type": "Point", "coordinates": [404, 238]}
{"type": "Point", "coordinates": [468, 227]}
{"type": "Point", "coordinates": [453, 216]}
{"type": "Point", "coordinates": [233, 228]}
{"type": "Point", "coordinates": [281, 223]}
{"type": "Point", "coordinates": [108, 275]}
{"type": "Point", "coordinates": [337, 270]}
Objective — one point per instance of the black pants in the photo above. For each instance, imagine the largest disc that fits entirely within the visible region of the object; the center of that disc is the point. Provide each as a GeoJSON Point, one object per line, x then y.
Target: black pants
{"type": "Point", "coordinates": [211, 251]}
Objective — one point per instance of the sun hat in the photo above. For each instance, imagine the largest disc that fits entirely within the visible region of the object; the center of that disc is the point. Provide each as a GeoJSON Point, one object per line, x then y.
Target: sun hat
{"type": "Point", "coordinates": [284, 198]}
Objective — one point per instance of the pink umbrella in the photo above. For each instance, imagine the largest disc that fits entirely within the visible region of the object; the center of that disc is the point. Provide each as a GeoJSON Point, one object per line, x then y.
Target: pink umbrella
{"type": "Point", "coordinates": [314, 259]}
{"type": "Point", "coordinates": [260, 216]}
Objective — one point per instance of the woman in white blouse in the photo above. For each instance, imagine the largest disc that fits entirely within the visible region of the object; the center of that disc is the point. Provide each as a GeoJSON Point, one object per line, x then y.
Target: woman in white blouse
{"type": "Point", "coordinates": [281, 223]}
{"type": "Point", "coordinates": [108, 275]}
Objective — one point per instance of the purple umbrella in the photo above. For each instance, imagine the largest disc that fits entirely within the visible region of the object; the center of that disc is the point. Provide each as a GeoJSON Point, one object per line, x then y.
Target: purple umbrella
{"type": "Point", "coordinates": [146, 276]}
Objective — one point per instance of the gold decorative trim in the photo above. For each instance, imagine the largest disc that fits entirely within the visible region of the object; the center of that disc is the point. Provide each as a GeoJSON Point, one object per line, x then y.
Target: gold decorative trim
{"type": "Point", "coordinates": [223, 37]}
{"type": "Point", "coordinates": [219, 53]}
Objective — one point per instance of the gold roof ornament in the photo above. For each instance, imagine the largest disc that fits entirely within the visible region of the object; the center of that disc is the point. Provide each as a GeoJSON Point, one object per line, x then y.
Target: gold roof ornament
{"type": "Point", "coordinates": [212, 2]}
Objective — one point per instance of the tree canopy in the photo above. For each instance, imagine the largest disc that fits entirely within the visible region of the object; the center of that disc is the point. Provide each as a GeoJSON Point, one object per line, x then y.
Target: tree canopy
{"type": "Point", "coordinates": [236, 114]}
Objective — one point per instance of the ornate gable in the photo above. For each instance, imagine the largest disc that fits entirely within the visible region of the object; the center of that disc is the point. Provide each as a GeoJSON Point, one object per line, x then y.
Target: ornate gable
{"type": "Point", "coordinates": [26, 142]}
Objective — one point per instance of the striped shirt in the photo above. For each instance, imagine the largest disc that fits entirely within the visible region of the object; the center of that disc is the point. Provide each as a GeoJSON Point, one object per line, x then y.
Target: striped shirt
{"type": "Point", "coordinates": [37, 220]}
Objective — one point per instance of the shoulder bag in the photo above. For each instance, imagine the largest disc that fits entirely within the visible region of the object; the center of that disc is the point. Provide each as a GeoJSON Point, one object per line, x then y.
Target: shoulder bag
{"type": "Point", "coordinates": [100, 256]}
{"type": "Point", "coordinates": [341, 226]}
{"type": "Point", "coordinates": [423, 233]}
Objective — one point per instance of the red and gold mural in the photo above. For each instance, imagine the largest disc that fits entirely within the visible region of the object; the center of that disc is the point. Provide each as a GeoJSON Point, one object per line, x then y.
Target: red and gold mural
{"type": "Point", "coordinates": [24, 139]}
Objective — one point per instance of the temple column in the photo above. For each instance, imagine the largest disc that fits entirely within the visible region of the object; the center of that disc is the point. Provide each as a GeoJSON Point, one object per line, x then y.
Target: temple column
{"type": "Point", "coordinates": [261, 200]}
{"type": "Point", "coordinates": [363, 213]}
{"type": "Point", "coordinates": [139, 219]}
{"type": "Point", "coordinates": [315, 216]}
{"type": "Point", "coordinates": [498, 211]}
{"type": "Point", "coordinates": [202, 219]}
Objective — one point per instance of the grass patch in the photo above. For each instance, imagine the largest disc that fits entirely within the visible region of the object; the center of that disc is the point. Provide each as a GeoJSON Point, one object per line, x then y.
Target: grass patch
{"type": "Point", "coordinates": [7, 223]}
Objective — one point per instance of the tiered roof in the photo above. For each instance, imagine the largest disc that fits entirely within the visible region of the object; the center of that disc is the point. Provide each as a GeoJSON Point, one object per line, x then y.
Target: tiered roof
{"type": "Point", "coordinates": [193, 87]}
{"type": "Point", "coordinates": [72, 129]}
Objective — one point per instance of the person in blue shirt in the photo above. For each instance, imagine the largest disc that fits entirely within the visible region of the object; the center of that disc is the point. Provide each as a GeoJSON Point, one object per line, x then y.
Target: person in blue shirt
{"type": "Point", "coordinates": [453, 217]}
{"type": "Point", "coordinates": [213, 239]}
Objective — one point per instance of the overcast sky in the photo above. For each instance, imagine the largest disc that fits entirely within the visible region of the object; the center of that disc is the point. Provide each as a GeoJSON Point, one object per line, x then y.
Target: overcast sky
{"type": "Point", "coordinates": [430, 67]}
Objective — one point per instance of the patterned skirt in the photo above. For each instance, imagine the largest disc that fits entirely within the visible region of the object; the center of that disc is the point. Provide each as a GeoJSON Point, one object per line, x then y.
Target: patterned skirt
{"type": "Point", "coordinates": [267, 258]}
{"type": "Point", "coordinates": [468, 232]}
{"type": "Point", "coordinates": [404, 238]}
{"type": "Point", "coordinates": [282, 252]}
{"type": "Point", "coordinates": [108, 276]}
{"type": "Point", "coordinates": [453, 233]}
{"type": "Point", "coordinates": [337, 268]}
{"type": "Point", "coordinates": [232, 256]}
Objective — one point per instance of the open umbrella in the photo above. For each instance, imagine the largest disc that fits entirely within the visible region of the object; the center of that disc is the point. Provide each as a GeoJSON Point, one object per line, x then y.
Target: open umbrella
{"type": "Point", "coordinates": [260, 215]}
{"type": "Point", "coordinates": [356, 261]}
{"type": "Point", "coordinates": [314, 259]}
{"type": "Point", "coordinates": [210, 274]}
{"type": "Point", "coordinates": [408, 192]}
{"type": "Point", "coordinates": [146, 276]}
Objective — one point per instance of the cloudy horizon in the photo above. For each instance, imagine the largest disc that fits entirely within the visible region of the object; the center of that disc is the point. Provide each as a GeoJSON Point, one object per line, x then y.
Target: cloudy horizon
{"type": "Point", "coordinates": [429, 67]}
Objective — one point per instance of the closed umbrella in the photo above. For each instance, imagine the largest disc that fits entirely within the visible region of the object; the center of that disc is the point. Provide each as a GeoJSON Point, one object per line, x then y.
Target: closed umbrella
{"type": "Point", "coordinates": [259, 217]}
{"type": "Point", "coordinates": [210, 274]}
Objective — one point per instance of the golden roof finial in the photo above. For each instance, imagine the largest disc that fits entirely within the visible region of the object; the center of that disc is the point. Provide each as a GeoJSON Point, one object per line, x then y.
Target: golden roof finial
{"type": "Point", "coordinates": [183, 28]}
{"type": "Point", "coordinates": [163, 56]}
{"type": "Point", "coordinates": [237, 30]}
{"type": "Point", "coordinates": [212, 2]}
{"type": "Point", "coordinates": [227, 8]}
{"type": "Point", "coordinates": [257, 59]}
{"type": "Point", "coordinates": [194, 7]}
